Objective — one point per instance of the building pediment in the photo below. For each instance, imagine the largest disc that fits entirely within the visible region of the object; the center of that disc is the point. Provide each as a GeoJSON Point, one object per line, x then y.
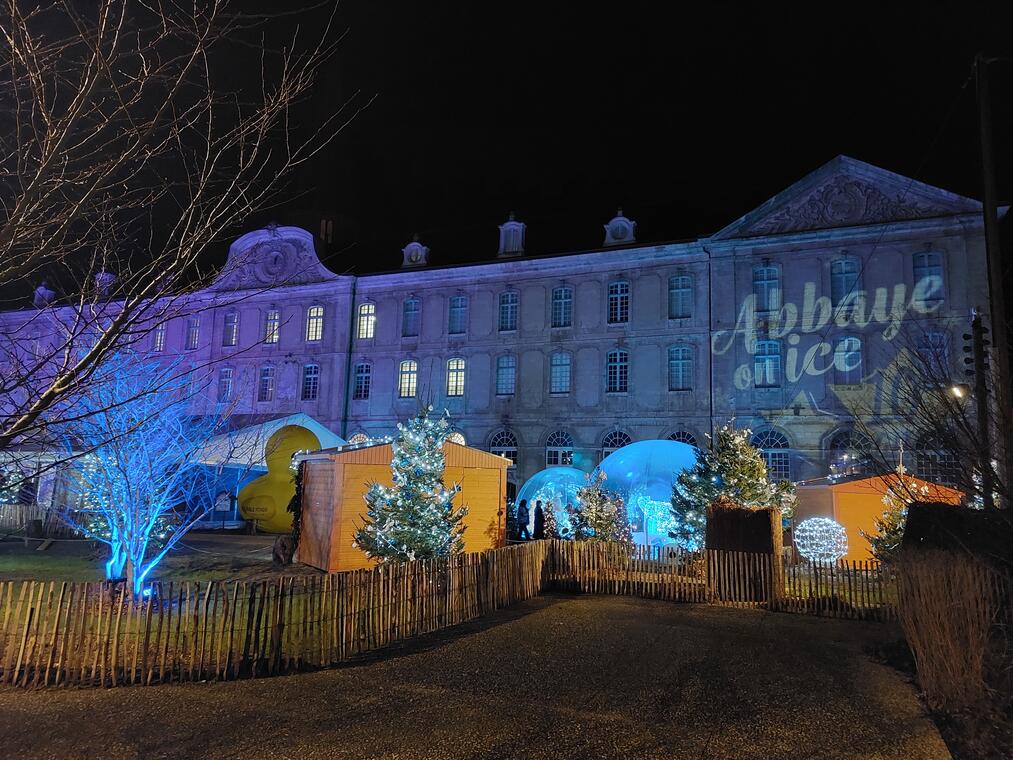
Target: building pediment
{"type": "Point", "coordinates": [846, 192]}
{"type": "Point", "coordinates": [272, 256]}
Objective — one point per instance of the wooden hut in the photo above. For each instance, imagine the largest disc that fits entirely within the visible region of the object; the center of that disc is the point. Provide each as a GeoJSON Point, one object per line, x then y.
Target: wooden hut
{"type": "Point", "coordinates": [855, 502]}
{"type": "Point", "coordinates": [335, 482]}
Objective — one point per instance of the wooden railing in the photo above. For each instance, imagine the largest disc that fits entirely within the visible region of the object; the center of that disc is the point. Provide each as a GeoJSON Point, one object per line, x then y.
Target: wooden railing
{"type": "Point", "coordinates": [96, 634]}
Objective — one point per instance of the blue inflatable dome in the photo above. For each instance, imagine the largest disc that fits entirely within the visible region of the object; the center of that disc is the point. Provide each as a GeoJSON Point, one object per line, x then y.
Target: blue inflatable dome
{"type": "Point", "coordinates": [556, 484]}
{"type": "Point", "coordinates": [643, 474]}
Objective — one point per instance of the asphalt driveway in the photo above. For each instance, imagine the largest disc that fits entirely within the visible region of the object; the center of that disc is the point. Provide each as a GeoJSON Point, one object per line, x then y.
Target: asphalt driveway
{"type": "Point", "coordinates": [559, 676]}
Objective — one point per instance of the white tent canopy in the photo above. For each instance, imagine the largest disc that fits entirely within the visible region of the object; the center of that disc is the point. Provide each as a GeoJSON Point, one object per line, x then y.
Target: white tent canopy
{"type": "Point", "coordinates": [247, 446]}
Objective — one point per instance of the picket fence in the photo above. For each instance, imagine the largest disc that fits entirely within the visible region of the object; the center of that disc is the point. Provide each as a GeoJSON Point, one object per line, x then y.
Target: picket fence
{"type": "Point", "coordinates": [96, 634]}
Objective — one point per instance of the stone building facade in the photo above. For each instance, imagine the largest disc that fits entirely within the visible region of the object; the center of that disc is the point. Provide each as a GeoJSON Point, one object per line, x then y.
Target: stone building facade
{"type": "Point", "coordinates": [776, 321]}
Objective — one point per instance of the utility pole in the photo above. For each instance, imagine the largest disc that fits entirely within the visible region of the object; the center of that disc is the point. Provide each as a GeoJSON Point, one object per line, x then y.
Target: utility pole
{"type": "Point", "coordinates": [997, 301]}
{"type": "Point", "coordinates": [979, 359]}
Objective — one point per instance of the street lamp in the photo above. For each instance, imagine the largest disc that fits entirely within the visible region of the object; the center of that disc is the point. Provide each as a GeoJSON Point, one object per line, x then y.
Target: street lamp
{"type": "Point", "coordinates": [960, 390]}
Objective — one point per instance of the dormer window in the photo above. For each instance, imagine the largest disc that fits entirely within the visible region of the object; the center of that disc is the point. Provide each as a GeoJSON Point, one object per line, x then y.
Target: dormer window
{"type": "Point", "coordinates": [415, 254]}
{"type": "Point", "coordinates": [620, 230]}
{"type": "Point", "coordinates": [511, 237]}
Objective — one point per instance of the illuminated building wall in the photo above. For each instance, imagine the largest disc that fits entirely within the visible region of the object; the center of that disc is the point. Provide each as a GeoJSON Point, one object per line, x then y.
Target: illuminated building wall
{"type": "Point", "coordinates": [782, 320]}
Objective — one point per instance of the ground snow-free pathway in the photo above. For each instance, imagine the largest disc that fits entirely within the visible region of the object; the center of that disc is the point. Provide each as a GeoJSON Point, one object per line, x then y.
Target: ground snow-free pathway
{"type": "Point", "coordinates": [560, 676]}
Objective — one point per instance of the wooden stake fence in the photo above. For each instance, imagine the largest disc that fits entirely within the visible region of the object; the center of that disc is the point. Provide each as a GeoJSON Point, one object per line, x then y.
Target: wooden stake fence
{"type": "Point", "coordinates": [96, 634]}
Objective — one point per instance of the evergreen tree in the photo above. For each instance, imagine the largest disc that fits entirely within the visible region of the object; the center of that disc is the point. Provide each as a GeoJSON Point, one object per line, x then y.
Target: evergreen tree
{"type": "Point", "coordinates": [732, 469]}
{"type": "Point", "coordinates": [885, 541]}
{"type": "Point", "coordinates": [551, 521]}
{"type": "Point", "coordinates": [600, 515]}
{"type": "Point", "coordinates": [415, 518]}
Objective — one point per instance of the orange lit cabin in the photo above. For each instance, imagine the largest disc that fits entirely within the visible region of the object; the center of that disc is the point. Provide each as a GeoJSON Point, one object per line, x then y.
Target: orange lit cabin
{"type": "Point", "coordinates": [856, 502]}
{"type": "Point", "coordinates": [335, 482]}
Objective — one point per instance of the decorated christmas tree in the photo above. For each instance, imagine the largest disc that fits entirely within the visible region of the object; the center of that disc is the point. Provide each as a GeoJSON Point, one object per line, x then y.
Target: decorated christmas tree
{"type": "Point", "coordinates": [551, 521]}
{"type": "Point", "coordinates": [600, 515]}
{"type": "Point", "coordinates": [732, 469]}
{"type": "Point", "coordinates": [415, 518]}
{"type": "Point", "coordinates": [885, 541]}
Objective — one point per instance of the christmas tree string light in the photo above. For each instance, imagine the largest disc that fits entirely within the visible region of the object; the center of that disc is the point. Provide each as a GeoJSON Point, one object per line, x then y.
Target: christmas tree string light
{"type": "Point", "coordinates": [415, 517]}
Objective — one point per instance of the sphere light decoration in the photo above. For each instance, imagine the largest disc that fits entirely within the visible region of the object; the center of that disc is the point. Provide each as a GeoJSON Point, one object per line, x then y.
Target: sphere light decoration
{"type": "Point", "coordinates": [820, 539]}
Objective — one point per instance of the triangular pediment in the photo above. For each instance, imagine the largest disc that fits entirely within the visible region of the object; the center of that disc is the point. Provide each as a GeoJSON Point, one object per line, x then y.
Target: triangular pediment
{"type": "Point", "coordinates": [846, 192]}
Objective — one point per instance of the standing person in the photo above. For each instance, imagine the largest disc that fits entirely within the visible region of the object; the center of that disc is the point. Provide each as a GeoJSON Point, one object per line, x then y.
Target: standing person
{"type": "Point", "coordinates": [539, 521]}
{"type": "Point", "coordinates": [523, 534]}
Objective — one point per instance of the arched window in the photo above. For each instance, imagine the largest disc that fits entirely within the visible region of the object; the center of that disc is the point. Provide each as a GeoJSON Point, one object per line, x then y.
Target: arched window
{"type": "Point", "coordinates": [411, 315]}
{"type": "Point", "coordinates": [272, 323]}
{"type": "Point", "coordinates": [928, 277]}
{"type": "Point", "coordinates": [230, 331]}
{"type": "Point", "coordinates": [504, 444]}
{"type": "Point", "coordinates": [562, 306]}
{"type": "Point", "coordinates": [363, 381]}
{"type": "Point", "coordinates": [767, 288]}
{"type": "Point", "coordinates": [613, 441]}
{"type": "Point", "coordinates": [367, 321]}
{"type": "Point", "coordinates": [225, 377]}
{"type": "Point", "coordinates": [773, 446]}
{"type": "Point", "coordinates": [934, 462]}
{"type": "Point", "coordinates": [265, 384]}
{"type": "Point", "coordinates": [455, 377]}
{"type": "Point", "coordinates": [408, 378]}
{"type": "Point", "coordinates": [506, 375]}
{"type": "Point", "coordinates": [848, 361]}
{"type": "Point", "coordinates": [457, 315]}
{"type": "Point", "coordinates": [458, 438]}
{"type": "Point", "coordinates": [314, 323]}
{"type": "Point", "coordinates": [680, 296]}
{"type": "Point", "coordinates": [767, 364]}
{"type": "Point", "coordinates": [358, 439]}
{"type": "Point", "coordinates": [680, 368]}
{"type": "Point", "coordinates": [843, 281]}
{"type": "Point", "coordinates": [559, 373]}
{"type": "Point", "coordinates": [509, 303]}
{"type": "Point", "coordinates": [683, 437]}
{"type": "Point", "coordinates": [310, 382]}
{"type": "Point", "coordinates": [848, 453]}
{"type": "Point", "coordinates": [619, 302]}
{"type": "Point", "coordinates": [558, 449]}
{"type": "Point", "coordinates": [617, 371]}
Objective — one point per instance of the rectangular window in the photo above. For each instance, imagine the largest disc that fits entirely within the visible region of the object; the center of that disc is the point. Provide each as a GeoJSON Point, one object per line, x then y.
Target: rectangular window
{"type": "Point", "coordinates": [410, 316]}
{"type": "Point", "coordinates": [457, 319]}
{"type": "Point", "coordinates": [408, 379]}
{"type": "Point", "coordinates": [508, 305]}
{"type": "Point", "coordinates": [928, 276]}
{"type": "Point", "coordinates": [767, 364]}
{"type": "Point", "coordinates": [363, 380]}
{"type": "Point", "coordinates": [192, 333]}
{"type": "Point", "coordinates": [158, 338]}
{"type": "Point", "coordinates": [230, 335]}
{"type": "Point", "coordinates": [367, 321]}
{"type": "Point", "coordinates": [265, 384]}
{"type": "Point", "coordinates": [225, 375]}
{"type": "Point", "coordinates": [934, 353]}
{"type": "Point", "coordinates": [506, 375]}
{"type": "Point", "coordinates": [680, 297]}
{"type": "Point", "coordinates": [766, 288]}
{"type": "Point", "coordinates": [310, 382]}
{"type": "Point", "coordinates": [617, 372]}
{"type": "Point", "coordinates": [272, 322]}
{"type": "Point", "coordinates": [778, 465]}
{"type": "Point", "coordinates": [559, 373]}
{"type": "Point", "coordinates": [843, 281]}
{"type": "Point", "coordinates": [315, 323]}
{"type": "Point", "coordinates": [619, 303]}
{"type": "Point", "coordinates": [455, 377]}
{"type": "Point", "coordinates": [848, 361]}
{"type": "Point", "coordinates": [680, 368]}
{"type": "Point", "coordinates": [562, 307]}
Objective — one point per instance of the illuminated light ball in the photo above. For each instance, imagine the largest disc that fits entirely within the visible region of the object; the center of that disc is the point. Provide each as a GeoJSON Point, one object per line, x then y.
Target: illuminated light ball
{"type": "Point", "coordinates": [820, 539]}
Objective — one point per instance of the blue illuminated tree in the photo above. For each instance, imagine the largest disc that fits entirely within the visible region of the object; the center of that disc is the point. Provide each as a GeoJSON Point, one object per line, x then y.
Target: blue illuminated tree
{"type": "Point", "coordinates": [136, 476]}
{"type": "Point", "coordinates": [731, 469]}
{"type": "Point", "coordinates": [415, 517]}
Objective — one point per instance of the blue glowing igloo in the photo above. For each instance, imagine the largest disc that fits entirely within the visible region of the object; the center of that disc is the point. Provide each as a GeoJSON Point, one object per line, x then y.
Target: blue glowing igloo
{"type": "Point", "coordinates": [643, 474]}
{"type": "Point", "coordinates": [556, 484]}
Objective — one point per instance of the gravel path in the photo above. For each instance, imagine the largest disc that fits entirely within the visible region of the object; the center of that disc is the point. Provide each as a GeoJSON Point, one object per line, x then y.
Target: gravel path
{"type": "Point", "coordinates": [559, 676]}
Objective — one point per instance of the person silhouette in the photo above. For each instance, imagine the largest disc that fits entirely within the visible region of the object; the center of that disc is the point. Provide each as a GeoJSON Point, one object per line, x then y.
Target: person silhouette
{"type": "Point", "coordinates": [523, 516]}
{"type": "Point", "coordinates": [539, 521]}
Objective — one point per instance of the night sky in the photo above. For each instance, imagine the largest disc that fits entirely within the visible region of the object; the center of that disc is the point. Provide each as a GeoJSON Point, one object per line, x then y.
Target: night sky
{"type": "Point", "coordinates": [561, 112]}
